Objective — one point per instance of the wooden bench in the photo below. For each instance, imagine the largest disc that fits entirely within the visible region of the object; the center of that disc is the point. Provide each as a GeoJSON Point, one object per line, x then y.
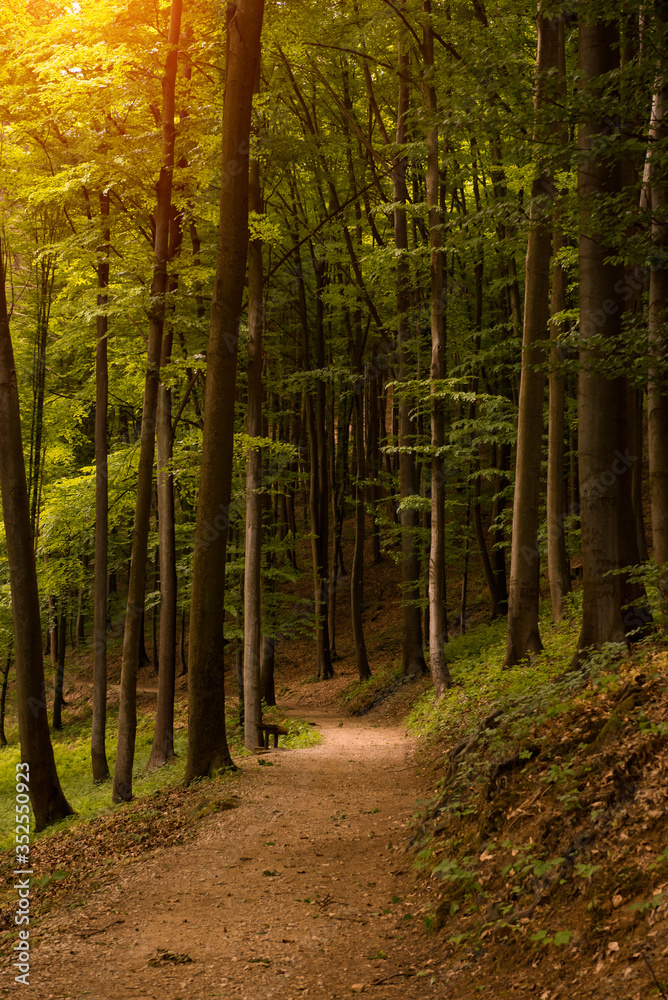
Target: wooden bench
{"type": "Point", "coordinates": [265, 730]}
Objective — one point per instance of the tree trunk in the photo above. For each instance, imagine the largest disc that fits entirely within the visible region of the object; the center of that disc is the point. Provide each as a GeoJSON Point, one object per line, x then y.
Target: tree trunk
{"type": "Point", "coordinates": [58, 701]}
{"type": "Point", "coordinates": [438, 625]}
{"type": "Point", "coordinates": [3, 699]}
{"type": "Point", "coordinates": [483, 552]}
{"type": "Point", "coordinates": [604, 460]}
{"type": "Point", "coordinates": [524, 592]}
{"type": "Point", "coordinates": [635, 400]}
{"type": "Point", "coordinates": [321, 485]}
{"type": "Point", "coordinates": [253, 546]}
{"type": "Point", "coordinates": [182, 645]}
{"type": "Point", "coordinates": [162, 750]}
{"type": "Point", "coordinates": [155, 615]}
{"type": "Point", "coordinates": [207, 742]}
{"type": "Point", "coordinates": [413, 653]}
{"type": "Point", "coordinates": [657, 391]}
{"type": "Point", "coordinates": [373, 454]}
{"type": "Point", "coordinates": [127, 715]}
{"type": "Point", "coordinates": [267, 670]}
{"type": "Point", "coordinates": [44, 279]}
{"type": "Point", "coordinates": [357, 571]}
{"type": "Point", "coordinates": [48, 801]}
{"type": "Point", "coordinates": [498, 557]}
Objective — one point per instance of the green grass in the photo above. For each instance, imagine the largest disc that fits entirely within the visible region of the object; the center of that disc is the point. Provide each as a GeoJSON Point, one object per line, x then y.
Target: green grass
{"type": "Point", "coordinates": [301, 734]}
{"type": "Point", "coordinates": [360, 696]}
{"type": "Point", "coordinates": [72, 753]}
{"type": "Point", "coordinates": [475, 661]}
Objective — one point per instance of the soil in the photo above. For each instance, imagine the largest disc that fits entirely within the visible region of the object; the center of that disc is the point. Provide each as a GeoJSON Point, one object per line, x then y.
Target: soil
{"type": "Point", "coordinates": [303, 890]}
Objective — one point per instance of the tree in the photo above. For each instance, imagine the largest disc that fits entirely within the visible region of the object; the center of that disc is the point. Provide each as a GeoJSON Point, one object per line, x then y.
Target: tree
{"type": "Point", "coordinates": [127, 715]}
{"type": "Point", "coordinates": [413, 654]}
{"type": "Point", "coordinates": [46, 796]}
{"type": "Point", "coordinates": [438, 628]}
{"type": "Point", "coordinates": [524, 595]}
{"type": "Point", "coordinates": [207, 741]}
{"type": "Point", "coordinates": [100, 606]}
{"type": "Point", "coordinates": [601, 399]}
{"type": "Point", "coordinates": [254, 507]}
{"type": "Point", "coordinates": [657, 392]}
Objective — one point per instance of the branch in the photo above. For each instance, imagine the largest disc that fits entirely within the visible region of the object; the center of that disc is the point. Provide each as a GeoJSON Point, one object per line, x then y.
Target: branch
{"type": "Point", "coordinates": [337, 211]}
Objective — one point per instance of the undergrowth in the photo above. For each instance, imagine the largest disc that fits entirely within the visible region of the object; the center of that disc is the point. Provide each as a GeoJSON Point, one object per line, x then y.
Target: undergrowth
{"type": "Point", "coordinates": [359, 697]}
{"type": "Point", "coordinates": [545, 768]}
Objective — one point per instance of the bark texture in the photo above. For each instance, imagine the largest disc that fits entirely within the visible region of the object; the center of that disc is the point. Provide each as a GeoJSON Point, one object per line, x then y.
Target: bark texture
{"type": "Point", "coordinates": [524, 592]}
{"type": "Point", "coordinates": [657, 392]}
{"type": "Point", "coordinates": [97, 741]}
{"type": "Point", "coordinates": [207, 741]}
{"type": "Point", "coordinates": [604, 460]}
{"type": "Point", "coordinates": [413, 653]}
{"type": "Point", "coordinates": [46, 796]}
{"type": "Point", "coordinates": [254, 506]}
{"type": "Point", "coordinates": [438, 626]}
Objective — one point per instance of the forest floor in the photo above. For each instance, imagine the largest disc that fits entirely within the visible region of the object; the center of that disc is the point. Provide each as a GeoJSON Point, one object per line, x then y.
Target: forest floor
{"type": "Point", "coordinates": [515, 846]}
{"type": "Point", "coordinates": [294, 877]}
{"type": "Point", "coordinates": [298, 887]}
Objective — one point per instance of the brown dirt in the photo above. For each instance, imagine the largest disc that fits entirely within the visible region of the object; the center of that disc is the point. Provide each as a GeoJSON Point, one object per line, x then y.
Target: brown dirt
{"type": "Point", "coordinates": [302, 891]}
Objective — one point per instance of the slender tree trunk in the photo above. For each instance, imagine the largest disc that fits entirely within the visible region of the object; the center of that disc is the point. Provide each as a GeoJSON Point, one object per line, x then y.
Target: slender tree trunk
{"type": "Point", "coordinates": [635, 408]}
{"type": "Point", "coordinates": [498, 557]}
{"type": "Point", "coordinates": [558, 569]}
{"type": "Point", "coordinates": [58, 701]}
{"type": "Point", "coordinates": [253, 546]}
{"type": "Point", "coordinates": [267, 670]}
{"type": "Point", "coordinates": [53, 631]}
{"type": "Point", "coordinates": [207, 742]}
{"type": "Point", "coordinates": [357, 571]}
{"type": "Point", "coordinates": [325, 670]}
{"type": "Point", "coordinates": [127, 715]}
{"type": "Point", "coordinates": [413, 654]}
{"type": "Point", "coordinates": [438, 625]}
{"type": "Point", "coordinates": [45, 276]}
{"type": "Point", "coordinates": [524, 592]}
{"type": "Point", "coordinates": [143, 658]}
{"type": "Point", "coordinates": [3, 699]}
{"type": "Point", "coordinates": [162, 750]}
{"type": "Point", "coordinates": [155, 614]}
{"type": "Point", "coordinates": [481, 541]}
{"type": "Point", "coordinates": [602, 438]}
{"type": "Point", "coordinates": [657, 393]}
{"type": "Point", "coordinates": [46, 796]}
{"type": "Point", "coordinates": [182, 645]}
{"type": "Point", "coordinates": [373, 454]}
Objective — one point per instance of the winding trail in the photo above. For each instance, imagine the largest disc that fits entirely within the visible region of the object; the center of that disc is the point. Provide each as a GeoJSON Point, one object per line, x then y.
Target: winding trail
{"type": "Point", "coordinates": [302, 891]}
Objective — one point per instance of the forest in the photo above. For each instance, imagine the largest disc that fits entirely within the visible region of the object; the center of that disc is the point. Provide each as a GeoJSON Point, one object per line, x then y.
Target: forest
{"type": "Point", "coordinates": [295, 293]}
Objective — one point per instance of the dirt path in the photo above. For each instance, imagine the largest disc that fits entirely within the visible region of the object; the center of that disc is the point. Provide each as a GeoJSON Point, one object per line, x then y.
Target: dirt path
{"type": "Point", "coordinates": [302, 891]}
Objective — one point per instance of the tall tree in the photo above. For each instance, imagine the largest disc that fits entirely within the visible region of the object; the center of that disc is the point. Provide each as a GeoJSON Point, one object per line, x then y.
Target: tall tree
{"type": "Point", "coordinates": [207, 741]}
{"type": "Point", "coordinates": [132, 639]}
{"type": "Point", "coordinates": [254, 505]}
{"type": "Point", "coordinates": [46, 796]}
{"type": "Point", "coordinates": [438, 626]}
{"type": "Point", "coordinates": [558, 567]}
{"type": "Point", "coordinates": [601, 399]}
{"type": "Point", "coordinates": [413, 653]}
{"type": "Point", "coordinates": [657, 392]}
{"type": "Point", "coordinates": [97, 747]}
{"type": "Point", "coordinates": [524, 594]}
